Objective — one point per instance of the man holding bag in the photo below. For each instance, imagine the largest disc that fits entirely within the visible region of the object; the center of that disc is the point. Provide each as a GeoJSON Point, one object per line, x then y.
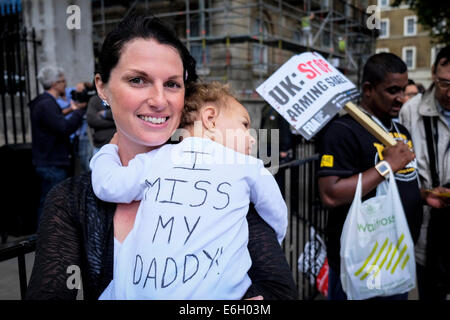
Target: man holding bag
{"type": "Point", "coordinates": [347, 149]}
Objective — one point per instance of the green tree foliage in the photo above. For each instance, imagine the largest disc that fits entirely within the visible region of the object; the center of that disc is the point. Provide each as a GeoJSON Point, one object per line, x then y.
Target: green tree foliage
{"type": "Point", "coordinates": [433, 15]}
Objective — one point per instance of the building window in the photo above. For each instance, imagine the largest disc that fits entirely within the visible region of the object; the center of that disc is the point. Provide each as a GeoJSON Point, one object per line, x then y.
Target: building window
{"type": "Point", "coordinates": [297, 36]}
{"type": "Point", "coordinates": [380, 50]}
{"type": "Point", "coordinates": [201, 54]}
{"type": "Point", "coordinates": [409, 56]}
{"type": "Point", "coordinates": [384, 28]}
{"type": "Point", "coordinates": [383, 3]}
{"type": "Point", "coordinates": [326, 39]}
{"type": "Point", "coordinates": [199, 50]}
{"type": "Point", "coordinates": [410, 26]}
{"type": "Point", "coordinates": [260, 58]}
{"type": "Point", "coordinates": [260, 52]}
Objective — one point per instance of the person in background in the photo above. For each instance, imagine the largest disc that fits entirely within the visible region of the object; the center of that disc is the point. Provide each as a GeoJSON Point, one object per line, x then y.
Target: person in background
{"type": "Point", "coordinates": [347, 149]}
{"type": "Point", "coordinates": [411, 90]}
{"type": "Point", "coordinates": [427, 116]}
{"type": "Point", "coordinates": [83, 146]}
{"type": "Point", "coordinates": [307, 36]}
{"type": "Point", "coordinates": [64, 101]}
{"type": "Point", "coordinates": [272, 120]}
{"type": "Point", "coordinates": [51, 148]}
{"type": "Point", "coordinates": [100, 121]}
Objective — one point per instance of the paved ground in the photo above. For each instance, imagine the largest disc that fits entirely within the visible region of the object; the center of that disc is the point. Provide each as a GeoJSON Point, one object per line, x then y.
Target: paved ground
{"type": "Point", "coordinates": [9, 277]}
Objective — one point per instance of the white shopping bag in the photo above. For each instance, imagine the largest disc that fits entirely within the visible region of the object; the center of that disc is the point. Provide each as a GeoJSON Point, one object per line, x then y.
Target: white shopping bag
{"type": "Point", "coordinates": [377, 251]}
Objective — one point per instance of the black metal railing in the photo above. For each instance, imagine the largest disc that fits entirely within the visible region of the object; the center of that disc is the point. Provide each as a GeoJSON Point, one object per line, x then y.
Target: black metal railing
{"type": "Point", "coordinates": [18, 249]}
{"type": "Point", "coordinates": [307, 217]}
{"type": "Point", "coordinates": [18, 81]}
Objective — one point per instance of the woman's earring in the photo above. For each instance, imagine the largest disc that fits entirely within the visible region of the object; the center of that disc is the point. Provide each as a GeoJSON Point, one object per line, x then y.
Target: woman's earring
{"type": "Point", "coordinates": [105, 103]}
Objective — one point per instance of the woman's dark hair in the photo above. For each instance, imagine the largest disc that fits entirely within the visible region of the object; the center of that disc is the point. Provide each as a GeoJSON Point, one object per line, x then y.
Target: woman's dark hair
{"type": "Point", "coordinates": [420, 87]}
{"type": "Point", "coordinates": [379, 65]}
{"type": "Point", "coordinates": [139, 25]}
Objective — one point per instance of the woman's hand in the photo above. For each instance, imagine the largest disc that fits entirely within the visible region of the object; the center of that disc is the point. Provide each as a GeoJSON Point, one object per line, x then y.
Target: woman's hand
{"type": "Point", "coordinates": [256, 298]}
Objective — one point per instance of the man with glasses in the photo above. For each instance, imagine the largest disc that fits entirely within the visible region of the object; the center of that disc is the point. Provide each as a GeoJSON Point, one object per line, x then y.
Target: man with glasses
{"type": "Point", "coordinates": [51, 131]}
{"type": "Point", "coordinates": [427, 117]}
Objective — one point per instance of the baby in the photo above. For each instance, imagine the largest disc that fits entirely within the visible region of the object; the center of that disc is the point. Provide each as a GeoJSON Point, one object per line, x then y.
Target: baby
{"type": "Point", "coordinates": [189, 239]}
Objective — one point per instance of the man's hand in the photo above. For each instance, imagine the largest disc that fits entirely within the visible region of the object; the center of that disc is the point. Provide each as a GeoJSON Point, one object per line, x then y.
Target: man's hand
{"type": "Point", "coordinates": [81, 105]}
{"type": "Point", "coordinates": [77, 105]}
{"type": "Point", "coordinates": [437, 198]}
{"type": "Point", "coordinates": [398, 156]}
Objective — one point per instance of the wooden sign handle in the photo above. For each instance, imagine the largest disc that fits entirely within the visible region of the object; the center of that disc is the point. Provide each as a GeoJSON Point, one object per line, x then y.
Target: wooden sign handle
{"type": "Point", "coordinates": [370, 125]}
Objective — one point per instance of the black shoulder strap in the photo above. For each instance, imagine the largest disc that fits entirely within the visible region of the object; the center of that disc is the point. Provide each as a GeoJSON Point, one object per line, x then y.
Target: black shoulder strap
{"type": "Point", "coordinates": [431, 151]}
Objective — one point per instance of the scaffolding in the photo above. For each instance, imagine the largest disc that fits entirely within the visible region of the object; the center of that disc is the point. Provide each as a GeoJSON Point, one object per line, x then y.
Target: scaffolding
{"type": "Point", "coordinates": [244, 42]}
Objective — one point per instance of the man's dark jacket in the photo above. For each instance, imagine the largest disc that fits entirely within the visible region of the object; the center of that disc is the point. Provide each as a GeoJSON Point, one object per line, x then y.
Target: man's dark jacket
{"type": "Point", "coordinates": [104, 126]}
{"type": "Point", "coordinates": [51, 131]}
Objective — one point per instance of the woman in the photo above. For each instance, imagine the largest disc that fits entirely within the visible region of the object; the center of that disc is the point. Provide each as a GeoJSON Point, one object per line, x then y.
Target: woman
{"type": "Point", "coordinates": [144, 69]}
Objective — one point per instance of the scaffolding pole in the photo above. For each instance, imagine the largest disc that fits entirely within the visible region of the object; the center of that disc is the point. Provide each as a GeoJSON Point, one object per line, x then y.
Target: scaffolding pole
{"type": "Point", "coordinates": [274, 41]}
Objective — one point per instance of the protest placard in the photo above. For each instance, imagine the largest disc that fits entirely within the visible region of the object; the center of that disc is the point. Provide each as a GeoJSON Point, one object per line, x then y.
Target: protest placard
{"type": "Point", "coordinates": [308, 91]}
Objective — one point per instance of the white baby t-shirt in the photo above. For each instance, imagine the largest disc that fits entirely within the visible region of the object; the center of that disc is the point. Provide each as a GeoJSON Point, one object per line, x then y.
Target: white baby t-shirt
{"type": "Point", "coordinates": [189, 239]}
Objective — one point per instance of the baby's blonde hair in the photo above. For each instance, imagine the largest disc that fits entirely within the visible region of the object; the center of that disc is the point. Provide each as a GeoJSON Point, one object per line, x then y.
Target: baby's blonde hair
{"type": "Point", "coordinates": [200, 94]}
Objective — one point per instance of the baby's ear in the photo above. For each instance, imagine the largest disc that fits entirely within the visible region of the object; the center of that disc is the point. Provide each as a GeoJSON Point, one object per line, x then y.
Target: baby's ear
{"type": "Point", "coordinates": [208, 116]}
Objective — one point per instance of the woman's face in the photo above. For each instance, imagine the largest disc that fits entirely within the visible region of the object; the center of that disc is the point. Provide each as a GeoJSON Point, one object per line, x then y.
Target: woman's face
{"type": "Point", "coordinates": [146, 93]}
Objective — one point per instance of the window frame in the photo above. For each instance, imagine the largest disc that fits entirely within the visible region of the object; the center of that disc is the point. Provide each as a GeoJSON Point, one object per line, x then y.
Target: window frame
{"type": "Point", "coordinates": [405, 25]}
{"type": "Point", "coordinates": [259, 67]}
{"type": "Point", "coordinates": [387, 20]}
{"type": "Point", "coordinates": [414, 57]}
{"type": "Point", "coordinates": [381, 5]}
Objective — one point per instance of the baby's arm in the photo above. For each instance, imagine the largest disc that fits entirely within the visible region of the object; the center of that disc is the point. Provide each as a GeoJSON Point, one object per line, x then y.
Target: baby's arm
{"type": "Point", "coordinates": [113, 182]}
{"type": "Point", "coordinates": [268, 200]}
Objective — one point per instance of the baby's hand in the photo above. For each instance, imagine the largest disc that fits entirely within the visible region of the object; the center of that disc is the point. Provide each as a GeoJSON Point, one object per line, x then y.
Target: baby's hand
{"type": "Point", "coordinates": [114, 139]}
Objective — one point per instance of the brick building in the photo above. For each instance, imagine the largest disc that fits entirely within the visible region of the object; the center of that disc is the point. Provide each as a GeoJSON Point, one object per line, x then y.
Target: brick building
{"type": "Point", "coordinates": [402, 35]}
